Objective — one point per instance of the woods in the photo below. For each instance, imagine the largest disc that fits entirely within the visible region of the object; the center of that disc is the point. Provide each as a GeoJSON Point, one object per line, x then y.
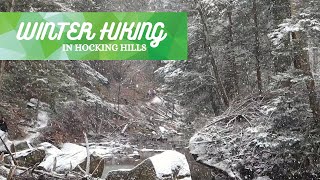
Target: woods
{"type": "Point", "coordinates": [265, 48]}
{"type": "Point", "coordinates": [268, 36]}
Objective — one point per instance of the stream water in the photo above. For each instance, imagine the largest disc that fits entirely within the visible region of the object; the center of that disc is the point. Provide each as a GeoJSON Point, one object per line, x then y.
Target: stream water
{"type": "Point", "coordinates": [117, 163]}
{"type": "Point", "coordinates": [149, 149]}
{"type": "Point", "coordinates": [113, 167]}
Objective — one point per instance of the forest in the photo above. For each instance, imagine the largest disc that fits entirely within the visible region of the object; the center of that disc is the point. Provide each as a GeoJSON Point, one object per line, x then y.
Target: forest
{"type": "Point", "coordinates": [244, 106]}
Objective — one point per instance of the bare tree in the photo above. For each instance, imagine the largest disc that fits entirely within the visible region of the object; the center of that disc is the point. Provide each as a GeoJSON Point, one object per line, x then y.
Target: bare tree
{"type": "Point", "coordinates": [208, 50]}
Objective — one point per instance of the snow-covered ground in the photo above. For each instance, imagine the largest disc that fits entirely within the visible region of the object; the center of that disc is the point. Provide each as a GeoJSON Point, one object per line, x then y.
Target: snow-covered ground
{"type": "Point", "coordinates": [41, 122]}
{"type": "Point", "coordinates": [42, 119]}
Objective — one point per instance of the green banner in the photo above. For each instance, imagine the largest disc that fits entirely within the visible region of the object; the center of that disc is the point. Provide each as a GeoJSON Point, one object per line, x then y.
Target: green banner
{"type": "Point", "coordinates": [93, 36]}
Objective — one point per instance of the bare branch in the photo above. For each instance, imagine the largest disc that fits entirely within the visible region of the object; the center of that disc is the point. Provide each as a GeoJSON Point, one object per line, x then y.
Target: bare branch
{"type": "Point", "coordinates": [88, 154]}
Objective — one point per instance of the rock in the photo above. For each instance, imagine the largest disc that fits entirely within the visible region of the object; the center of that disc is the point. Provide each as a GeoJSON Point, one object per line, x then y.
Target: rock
{"type": "Point", "coordinates": [33, 102]}
{"type": "Point", "coordinates": [171, 164]}
{"type": "Point", "coordinates": [165, 166]}
{"type": "Point", "coordinates": [28, 158]}
{"type": "Point", "coordinates": [96, 165]}
{"type": "Point", "coordinates": [65, 159]}
{"type": "Point", "coordinates": [31, 159]}
{"type": "Point", "coordinates": [22, 146]}
{"type": "Point", "coordinates": [118, 175]}
{"type": "Point", "coordinates": [144, 170]}
{"type": "Point", "coordinates": [198, 170]}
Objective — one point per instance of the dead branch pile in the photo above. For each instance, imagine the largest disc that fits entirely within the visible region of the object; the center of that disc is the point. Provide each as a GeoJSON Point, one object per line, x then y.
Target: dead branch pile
{"type": "Point", "coordinates": [246, 109]}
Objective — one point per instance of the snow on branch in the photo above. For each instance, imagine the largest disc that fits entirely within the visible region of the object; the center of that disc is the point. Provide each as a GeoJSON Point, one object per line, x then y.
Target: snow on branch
{"type": "Point", "coordinates": [292, 25]}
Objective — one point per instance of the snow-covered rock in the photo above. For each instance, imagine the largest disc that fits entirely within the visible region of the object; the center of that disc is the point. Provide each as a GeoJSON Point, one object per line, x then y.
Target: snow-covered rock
{"type": "Point", "coordinates": [32, 103]}
{"type": "Point", "coordinates": [156, 101]}
{"type": "Point", "coordinates": [170, 162]}
{"type": "Point", "coordinates": [65, 159]}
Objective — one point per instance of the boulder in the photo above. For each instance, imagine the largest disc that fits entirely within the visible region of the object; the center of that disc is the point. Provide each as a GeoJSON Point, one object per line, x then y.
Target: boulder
{"type": "Point", "coordinates": [144, 170]}
{"type": "Point", "coordinates": [198, 170]}
{"type": "Point", "coordinates": [28, 158]}
{"type": "Point", "coordinates": [69, 157]}
{"type": "Point", "coordinates": [96, 165]}
{"type": "Point", "coordinates": [118, 175]}
{"type": "Point", "coordinates": [22, 146]}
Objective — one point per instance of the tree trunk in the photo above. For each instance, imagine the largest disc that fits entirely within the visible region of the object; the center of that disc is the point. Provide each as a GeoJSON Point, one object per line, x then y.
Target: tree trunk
{"type": "Point", "coordinates": [301, 60]}
{"type": "Point", "coordinates": [230, 54]}
{"type": "Point", "coordinates": [281, 11]}
{"type": "Point", "coordinates": [2, 66]}
{"type": "Point", "coordinates": [10, 8]}
{"type": "Point", "coordinates": [257, 45]}
{"type": "Point", "coordinates": [214, 104]}
{"type": "Point", "coordinates": [208, 49]}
